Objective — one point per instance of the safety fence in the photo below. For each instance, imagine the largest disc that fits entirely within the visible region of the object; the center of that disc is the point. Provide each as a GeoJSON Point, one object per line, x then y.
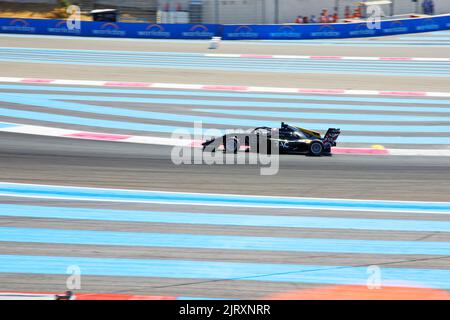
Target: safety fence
{"type": "Point", "coordinates": [227, 32]}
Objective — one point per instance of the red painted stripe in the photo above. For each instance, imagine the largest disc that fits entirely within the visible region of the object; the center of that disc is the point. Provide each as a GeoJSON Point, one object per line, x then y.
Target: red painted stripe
{"type": "Point", "coordinates": [97, 136]}
{"type": "Point", "coordinates": [359, 292]}
{"type": "Point", "coordinates": [127, 84]}
{"type": "Point", "coordinates": [227, 88]}
{"type": "Point", "coordinates": [37, 80]}
{"type": "Point", "coordinates": [196, 143]}
{"type": "Point", "coordinates": [361, 151]}
{"type": "Point", "coordinates": [325, 91]}
{"type": "Point", "coordinates": [403, 93]}
{"type": "Point", "coordinates": [327, 57]}
{"type": "Point", "coordinates": [112, 296]}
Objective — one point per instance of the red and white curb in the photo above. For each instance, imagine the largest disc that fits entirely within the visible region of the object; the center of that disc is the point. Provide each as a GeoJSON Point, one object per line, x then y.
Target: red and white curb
{"type": "Point", "coordinates": [231, 88]}
{"type": "Point", "coordinates": [74, 134]}
{"type": "Point", "coordinates": [263, 56]}
{"type": "Point", "coordinates": [98, 136]}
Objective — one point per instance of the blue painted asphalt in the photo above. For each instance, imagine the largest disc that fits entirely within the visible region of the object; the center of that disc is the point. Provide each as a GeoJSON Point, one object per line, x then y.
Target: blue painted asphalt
{"type": "Point", "coordinates": [324, 70]}
{"type": "Point", "coordinates": [97, 194]}
{"type": "Point", "coordinates": [61, 102]}
{"type": "Point", "coordinates": [57, 102]}
{"type": "Point", "coordinates": [248, 103]}
{"type": "Point", "coordinates": [194, 241]}
{"type": "Point", "coordinates": [435, 278]}
{"type": "Point", "coordinates": [82, 121]}
{"type": "Point", "coordinates": [432, 38]}
{"type": "Point", "coordinates": [30, 97]}
{"type": "Point", "coordinates": [48, 103]}
{"type": "Point", "coordinates": [323, 115]}
{"type": "Point", "coordinates": [298, 96]}
{"type": "Point", "coordinates": [380, 41]}
{"type": "Point", "coordinates": [190, 59]}
{"type": "Point", "coordinates": [135, 126]}
{"type": "Point", "coordinates": [279, 221]}
{"type": "Point", "coordinates": [6, 125]}
{"type": "Point", "coordinates": [198, 61]}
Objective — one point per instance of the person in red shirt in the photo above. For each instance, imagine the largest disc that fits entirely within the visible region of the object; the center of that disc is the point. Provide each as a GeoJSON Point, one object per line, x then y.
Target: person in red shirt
{"type": "Point", "coordinates": [335, 17]}
{"type": "Point", "coordinates": [324, 16]}
{"type": "Point", "coordinates": [299, 19]}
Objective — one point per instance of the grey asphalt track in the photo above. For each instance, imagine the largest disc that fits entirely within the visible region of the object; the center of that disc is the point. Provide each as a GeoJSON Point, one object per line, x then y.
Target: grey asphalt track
{"type": "Point", "coordinates": [316, 47]}
{"type": "Point", "coordinates": [35, 159]}
{"type": "Point", "coordinates": [62, 161]}
{"type": "Point", "coordinates": [327, 81]}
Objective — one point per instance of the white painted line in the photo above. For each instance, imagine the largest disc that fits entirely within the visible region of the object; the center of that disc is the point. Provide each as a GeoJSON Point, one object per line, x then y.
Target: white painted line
{"type": "Point", "coordinates": [420, 152]}
{"type": "Point", "coordinates": [233, 88]}
{"type": "Point", "coordinates": [233, 205]}
{"type": "Point", "coordinates": [229, 196]}
{"type": "Point", "coordinates": [38, 130]}
{"type": "Point", "coordinates": [263, 56]}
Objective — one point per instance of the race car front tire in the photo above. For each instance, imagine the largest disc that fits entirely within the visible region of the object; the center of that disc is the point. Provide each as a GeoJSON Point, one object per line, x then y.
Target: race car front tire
{"type": "Point", "coordinates": [316, 148]}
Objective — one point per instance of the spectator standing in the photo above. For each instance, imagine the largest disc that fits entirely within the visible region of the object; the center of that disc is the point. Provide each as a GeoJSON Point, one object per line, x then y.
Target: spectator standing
{"type": "Point", "coordinates": [305, 19]}
{"type": "Point", "coordinates": [313, 19]}
{"type": "Point", "coordinates": [299, 19]}
{"type": "Point", "coordinates": [324, 16]}
{"type": "Point", "coordinates": [335, 17]}
{"type": "Point", "coordinates": [425, 6]}
{"type": "Point", "coordinates": [432, 7]}
{"type": "Point", "coordinates": [348, 12]}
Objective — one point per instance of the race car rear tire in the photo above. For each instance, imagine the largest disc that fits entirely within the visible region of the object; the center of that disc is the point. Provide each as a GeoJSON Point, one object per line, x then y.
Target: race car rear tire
{"type": "Point", "coordinates": [232, 145]}
{"type": "Point", "coordinates": [316, 148]}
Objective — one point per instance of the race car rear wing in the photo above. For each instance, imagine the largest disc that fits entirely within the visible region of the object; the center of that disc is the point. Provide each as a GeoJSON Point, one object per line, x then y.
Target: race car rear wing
{"type": "Point", "coordinates": [331, 136]}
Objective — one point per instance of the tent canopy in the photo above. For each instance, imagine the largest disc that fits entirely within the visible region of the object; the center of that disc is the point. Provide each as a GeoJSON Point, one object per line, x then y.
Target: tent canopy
{"type": "Point", "coordinates": [374, 3]}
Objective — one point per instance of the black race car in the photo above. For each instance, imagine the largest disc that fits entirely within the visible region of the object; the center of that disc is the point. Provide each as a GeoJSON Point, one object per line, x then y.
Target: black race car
{"type": "Point", "coordinates": [288, 139]}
